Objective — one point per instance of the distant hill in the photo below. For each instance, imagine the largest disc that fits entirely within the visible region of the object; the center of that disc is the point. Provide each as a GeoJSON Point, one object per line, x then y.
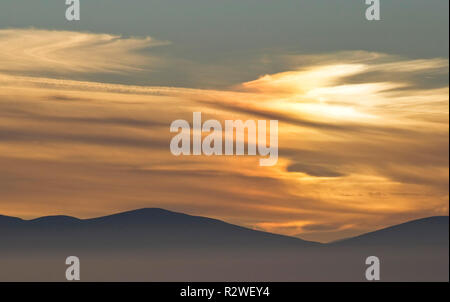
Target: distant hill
{"type": "Point", "coordinates": [150, 227]}
{"type": "Point", "coordinates": [430, 231]}
{"type": "Point", "coordinates": [160, 245]}
{"type": "Point", "coordinates": [154, 227]}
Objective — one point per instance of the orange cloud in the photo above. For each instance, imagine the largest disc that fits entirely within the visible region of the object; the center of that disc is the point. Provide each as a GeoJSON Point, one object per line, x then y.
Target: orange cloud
{"type": "Point", "coordinates": [355, 153]}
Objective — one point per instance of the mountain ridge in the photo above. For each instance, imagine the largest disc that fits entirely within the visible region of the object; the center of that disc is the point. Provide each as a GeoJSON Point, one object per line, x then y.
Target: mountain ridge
{"type": "Point", "coordinates": [428, 230]}
{"type": "Point", "coordinates": [160, 245]}
{"type": "Point", "coordinates": [167, 218]}
{"type": "Point", "coordinates": [142, 227]}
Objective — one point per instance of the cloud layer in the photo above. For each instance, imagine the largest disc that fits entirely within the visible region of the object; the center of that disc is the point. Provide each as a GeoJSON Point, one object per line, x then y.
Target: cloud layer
{"type": "Point", "coordinates": [356, 153]}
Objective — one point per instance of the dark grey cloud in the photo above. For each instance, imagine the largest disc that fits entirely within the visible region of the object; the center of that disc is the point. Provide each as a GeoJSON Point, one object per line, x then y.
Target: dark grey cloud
{"type": "Point", "coordinates": [314, 170]}
{"type": "Point", "coordinates": [86, 120]}
{"type": "Point", "coordinates": [102, 139]}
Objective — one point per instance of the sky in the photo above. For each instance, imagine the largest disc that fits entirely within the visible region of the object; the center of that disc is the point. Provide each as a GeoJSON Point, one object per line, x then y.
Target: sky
{"type": "Point", "coordinates": [86, 106]}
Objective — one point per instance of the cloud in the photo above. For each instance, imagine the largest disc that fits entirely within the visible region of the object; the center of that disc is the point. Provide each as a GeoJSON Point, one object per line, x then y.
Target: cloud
{"type": "Point", "coordinates": [313, 170]}
{"type": "Point", "coordinates": [302, 81]}
{"type": "Point", "coordinates": [62, 52]}
{"type": "Point", "coordinates": [320, 227]}
{"type": "Point", "coordinates": [87, 148]}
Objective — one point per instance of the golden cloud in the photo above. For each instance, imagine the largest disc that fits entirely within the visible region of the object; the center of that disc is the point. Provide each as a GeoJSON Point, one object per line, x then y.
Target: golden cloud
{"type": "Point", "coordinates": [51, 51]}
{"type": "Point", "coordinates": [355, 153]}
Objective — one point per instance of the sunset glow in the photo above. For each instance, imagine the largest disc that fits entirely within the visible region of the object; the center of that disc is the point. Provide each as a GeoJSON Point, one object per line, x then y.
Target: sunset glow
{"type": "Point", "coordinates": [355, 153]}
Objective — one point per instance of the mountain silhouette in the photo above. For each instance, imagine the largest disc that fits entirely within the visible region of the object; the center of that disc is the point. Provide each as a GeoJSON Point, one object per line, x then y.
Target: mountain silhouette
{"type": "Point", "coordinates": [158, 245]}
{"type": "Point", "coordinates": [430, 231]}
{"type": "Point", "coordinates": [149, 227]}
{"type": "Point", "coordinates": [155, 226]}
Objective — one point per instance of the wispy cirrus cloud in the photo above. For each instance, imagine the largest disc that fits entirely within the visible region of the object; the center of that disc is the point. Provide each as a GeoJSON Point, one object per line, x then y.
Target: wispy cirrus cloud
{"type": "Point", "coordinates": [61, 52]}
